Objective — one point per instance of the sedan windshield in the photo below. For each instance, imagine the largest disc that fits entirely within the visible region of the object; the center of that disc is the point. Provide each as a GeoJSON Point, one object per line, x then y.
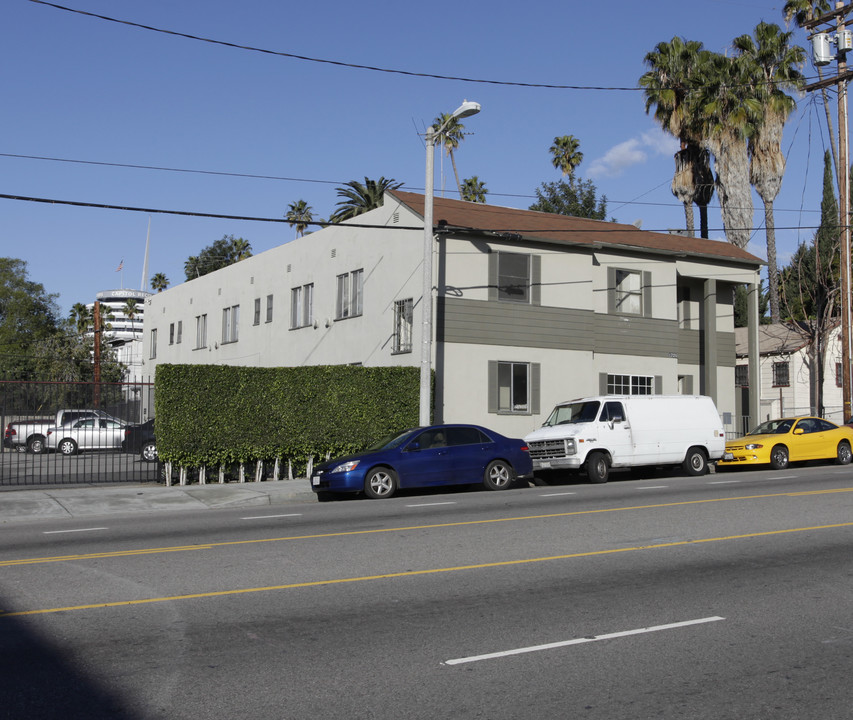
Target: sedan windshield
{"type": "Point", "coordinates": [389, 442]}
{"type": "Point", "coordinates": [580, 412]}
{"type": "Point", "coordinates": [773, 427]}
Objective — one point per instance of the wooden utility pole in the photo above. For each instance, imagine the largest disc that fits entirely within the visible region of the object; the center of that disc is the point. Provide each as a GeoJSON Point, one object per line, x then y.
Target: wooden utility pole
{"type": "Point", "coordinates": [840, 80]}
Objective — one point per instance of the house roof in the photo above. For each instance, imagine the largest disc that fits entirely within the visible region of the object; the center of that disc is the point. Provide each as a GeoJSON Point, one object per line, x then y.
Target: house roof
{"type": "Point", "coordinates": [532, 225]}
{"type": "Point", "coordinates": [774, 339]}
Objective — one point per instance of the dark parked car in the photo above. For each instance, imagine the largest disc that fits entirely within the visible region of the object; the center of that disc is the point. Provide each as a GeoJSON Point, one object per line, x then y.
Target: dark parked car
{"type": "Point", "coordinates": [426, 456]}
{"type": "Point", "coordinates": [140, 439]}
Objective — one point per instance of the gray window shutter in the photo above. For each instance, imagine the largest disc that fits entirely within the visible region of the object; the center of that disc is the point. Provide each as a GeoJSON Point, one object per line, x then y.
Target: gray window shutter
{"type": "Point", "coordinates": [602, 383]}
{"type": "Point", "coordinates": [493, 386]}
{"type": "Point", "coordinates": [535, 372]}
{"type": "Point", "coordinates": [647, 294]}
{"type": "Point", "coordinates": [493, 278]}
{"type": "Point", "coordinates": [658, 389]}
{"type": "Point", "coordinates": [687, 385]}
{"type": "Point", "coordinates": [611, 290]}
{"type": "Point", "coordinates": [535, 280]}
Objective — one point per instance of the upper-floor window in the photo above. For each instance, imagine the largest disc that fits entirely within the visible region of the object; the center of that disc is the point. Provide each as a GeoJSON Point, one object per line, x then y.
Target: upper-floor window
{"type": "Point", "coordinates": [179, 332]}
{"type": "Point", "coordinates": [781, 376]}
{"type": "Point", "coordinates": [403, 310]}
{"type": "Point", "coordinates": [350, 294]}
{"type": "Point", "coordinates": [171, 333]}
{"type": "Point", "coordinates": [269, 308]}
{"type": "Point", "coordinates": [175, 331]}
{"type": "Point", "coordinates": [629, 292]}
{"type": "Point", "coordinates": [302, 306]}
{"type": "Point", "coordinates": [153, 348]}
{"type": "Point", "coordinates": [257, 317]}
{"type": "Point", "coordinates": [230, 323]}
{"type": "Point", "coordinates": [200, 331]}
{"type": "Point", "coordinates": [515, 277]}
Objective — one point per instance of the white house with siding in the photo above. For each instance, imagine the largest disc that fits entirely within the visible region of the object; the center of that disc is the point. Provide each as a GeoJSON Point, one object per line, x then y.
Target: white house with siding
{"type": "Point", "coordinates": [529, 308]}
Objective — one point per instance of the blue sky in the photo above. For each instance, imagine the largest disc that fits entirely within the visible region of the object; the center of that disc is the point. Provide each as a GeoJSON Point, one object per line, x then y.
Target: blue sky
{"type": "Point", "coordinates": [78, 88]}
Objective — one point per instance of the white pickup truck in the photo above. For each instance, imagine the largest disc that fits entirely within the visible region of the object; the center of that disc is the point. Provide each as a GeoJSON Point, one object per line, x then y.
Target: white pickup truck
{"type": "Point", "coordinates": [24, 435]}
{"type": "Point", "coordinates": [628, 431]}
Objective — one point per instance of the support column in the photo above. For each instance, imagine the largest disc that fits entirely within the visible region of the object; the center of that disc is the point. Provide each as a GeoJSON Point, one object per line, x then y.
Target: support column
{"type": "Point", "coordinates": [709, 360]}
{"type": "Point", "coordinates": [753, 290]}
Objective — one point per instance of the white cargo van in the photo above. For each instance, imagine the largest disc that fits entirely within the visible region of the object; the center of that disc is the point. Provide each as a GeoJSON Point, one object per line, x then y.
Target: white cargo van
{"type": "Point", "coordinates": [626, 431]}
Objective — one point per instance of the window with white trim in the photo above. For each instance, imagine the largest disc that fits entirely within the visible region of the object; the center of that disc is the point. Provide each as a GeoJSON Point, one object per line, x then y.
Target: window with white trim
{"type": "Point", "coordinates": [180, 332]}
{"type": "Point", "coordinates": [269, 308]}
{"type": "Point", "coordinates": [153, 345]}
{"type": "Point", "coordinates": [230, 323]}
{"type": "Point", "coordinates": [200, 331]}
{"type": "Point", "coordinates": [403, 310]}
{"type": "Point", "coordinates": [513, 387]}
{"type": "Point", "coordinates": [257, 318]}
{"type": "Point", "coordinates": [350, 288]}
{"type": "Point", "coordinates": [629, 292]}
{"type": "Point", "coordinates": [630, 384]}
{"type": "Point", "coordinates": [302, 306]}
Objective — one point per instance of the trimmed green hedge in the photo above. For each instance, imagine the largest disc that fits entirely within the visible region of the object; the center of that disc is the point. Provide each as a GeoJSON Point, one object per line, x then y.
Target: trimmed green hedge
{"type": "Point", "coordinates": [220, 414]}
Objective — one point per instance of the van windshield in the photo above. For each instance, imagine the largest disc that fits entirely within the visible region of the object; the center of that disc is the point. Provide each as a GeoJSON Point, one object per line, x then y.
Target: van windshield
{"type": "Point", "coordinates": [581, 412]}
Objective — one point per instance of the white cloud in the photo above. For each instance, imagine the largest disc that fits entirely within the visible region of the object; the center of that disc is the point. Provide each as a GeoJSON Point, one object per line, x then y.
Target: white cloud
{"type": "Point", "coordinates": [632, 152]}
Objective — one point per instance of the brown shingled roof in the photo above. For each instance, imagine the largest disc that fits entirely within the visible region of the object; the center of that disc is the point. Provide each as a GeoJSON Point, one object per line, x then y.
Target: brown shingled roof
{"type": "Point", "coordinates": [567, 230]}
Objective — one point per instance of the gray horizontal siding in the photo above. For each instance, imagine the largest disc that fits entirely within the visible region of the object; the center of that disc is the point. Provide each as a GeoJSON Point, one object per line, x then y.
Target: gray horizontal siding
{"type": "Point", "coordinates": [460, 320]}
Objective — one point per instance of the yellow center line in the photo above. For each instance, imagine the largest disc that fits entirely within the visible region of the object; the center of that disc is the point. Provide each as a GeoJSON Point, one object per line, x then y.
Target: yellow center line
{"type": "Point", "coordinates": [413, 573]}
{"type": "Point", "coordinates": [350, 533]}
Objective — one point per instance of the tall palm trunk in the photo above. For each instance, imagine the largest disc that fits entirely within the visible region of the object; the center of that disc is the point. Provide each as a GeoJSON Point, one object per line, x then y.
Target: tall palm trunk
{"type": "Point", "coordinates": [733, 188]}
{"type": "Point", "coordinates": [684, 186]}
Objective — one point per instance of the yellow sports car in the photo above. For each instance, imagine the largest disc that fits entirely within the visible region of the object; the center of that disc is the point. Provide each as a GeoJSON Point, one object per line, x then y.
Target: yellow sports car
{"type": "Point", "coordinates": [780, 442]}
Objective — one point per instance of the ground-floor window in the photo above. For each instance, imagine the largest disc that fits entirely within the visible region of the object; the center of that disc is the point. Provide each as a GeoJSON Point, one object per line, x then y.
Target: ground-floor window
{"type": "Point", "coordinates": [630, 384]}
{"type": "Point", "coordinates": [513, 387]}
{"type": "Point", "coordinates": [403, 326]}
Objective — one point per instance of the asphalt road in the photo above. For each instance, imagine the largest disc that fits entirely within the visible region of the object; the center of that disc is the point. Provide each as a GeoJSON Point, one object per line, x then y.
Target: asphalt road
{"type": "Point", "coordinates": [726, 596]}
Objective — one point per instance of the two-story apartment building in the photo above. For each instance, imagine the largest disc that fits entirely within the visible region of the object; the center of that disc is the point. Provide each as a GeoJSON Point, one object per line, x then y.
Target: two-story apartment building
{"type": "Point", "coordinates": [529, 308]}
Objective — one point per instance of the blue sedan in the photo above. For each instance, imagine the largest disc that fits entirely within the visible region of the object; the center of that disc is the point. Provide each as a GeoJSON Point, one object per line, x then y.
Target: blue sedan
{"type": "Point", "coordinates": [424, 457]}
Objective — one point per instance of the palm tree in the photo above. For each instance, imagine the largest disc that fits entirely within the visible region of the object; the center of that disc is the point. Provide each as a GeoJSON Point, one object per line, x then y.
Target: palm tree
{"type": "Point", "coordinates": [159, 282]}
{"type": "Point", "coordinates": [452, 135]}
{"type": "Point", "coordinates": [299, 215]}
{"type": "Point", "coordinates": [81, 316]}
{"type": "Point", "coordinates": [773, 65]}
{"type": "Point", "coordinates": [728, 112]}
{"type": "Point", "coordinates": [474, 190]}
{"type": "Point", "coordinates": [566, 155]}
{"type": "Point", "coordinates": [359, 198]}
{"type": "Point", "coordinates": [669, 85]}
{"type": "Point", "coordinates": [129, 310]}
{"type": "Point", "coordinates": [240, 249]}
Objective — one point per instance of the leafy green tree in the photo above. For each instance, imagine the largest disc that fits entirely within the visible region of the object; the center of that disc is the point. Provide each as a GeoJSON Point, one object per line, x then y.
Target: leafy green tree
{"type": "Point", "coordinates": [358, 198]}
{"type": "Point", "coordinates": [773, 66]}
{"type": "Point", "coordinates": [28, 315]}
{"type": "Point", "coordinates": [220, 254]}
{"type": "Point", "coordinates": [299, 215]}
{"type": "Point", "coordinates": [451, 136]}
{"type": "Point", "coordinates": [474, 190]}
{"type": "Point", "coordinates": [67, 356]}
{"type": "Point", "coordinates": [566, 154]}
{"type": "Point", "coordinates": [574, 197]}
{"type": "Point", "coordinates": [159, 282]}
{"type": "Point", "coordinates": [741, 306]}
{"type": "Point", "coordinates": [810, 286]}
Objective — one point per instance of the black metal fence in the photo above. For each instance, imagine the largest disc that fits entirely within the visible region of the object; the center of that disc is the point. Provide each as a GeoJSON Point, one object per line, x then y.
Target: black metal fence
{"type": "Point", "coordinates": [94, 454]}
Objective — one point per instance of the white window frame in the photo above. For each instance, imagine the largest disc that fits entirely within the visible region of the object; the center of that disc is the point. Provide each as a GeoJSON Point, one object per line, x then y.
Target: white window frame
{"type": "Point", "coordinates": [152, 354]}
{"type": "Point", "coordinates": [230, 324]}
{"type": "Point", "coordinates": [628, 290]}
{"type": "Point", "coordinates": [301, 306]}
{"type": "Point", "coordinates": [257, 318]}
{"type": "Point", "coordinates": [510, 376]}
{"type": "Point", "coordinates": [621, 384]}
{"type": "Point", "coordinates": [201, 331]}
{"type": "Point", "coordinates": [350, 295]}
{"type": "Point", "coordinates": [269, 308]}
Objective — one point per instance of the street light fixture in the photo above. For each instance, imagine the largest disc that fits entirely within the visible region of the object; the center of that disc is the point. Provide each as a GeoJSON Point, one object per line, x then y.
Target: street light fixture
{"type": "Point", "coordinates": [466, 109]}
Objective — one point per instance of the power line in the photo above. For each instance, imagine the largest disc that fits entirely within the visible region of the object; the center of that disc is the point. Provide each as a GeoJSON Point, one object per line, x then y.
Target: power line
{"type": "Point", "coordinates": [249, 218]}
{"type": "Point", "coordinates": [338, 63]}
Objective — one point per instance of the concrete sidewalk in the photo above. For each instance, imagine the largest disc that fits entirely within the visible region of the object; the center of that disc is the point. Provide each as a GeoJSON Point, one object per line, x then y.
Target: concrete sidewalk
{"type": "Point", "coordinates": [92, 500]}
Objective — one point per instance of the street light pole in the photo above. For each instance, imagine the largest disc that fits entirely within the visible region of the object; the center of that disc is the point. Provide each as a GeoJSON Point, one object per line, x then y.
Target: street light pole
{"type": "Point", "coordinates": [466, 109]}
